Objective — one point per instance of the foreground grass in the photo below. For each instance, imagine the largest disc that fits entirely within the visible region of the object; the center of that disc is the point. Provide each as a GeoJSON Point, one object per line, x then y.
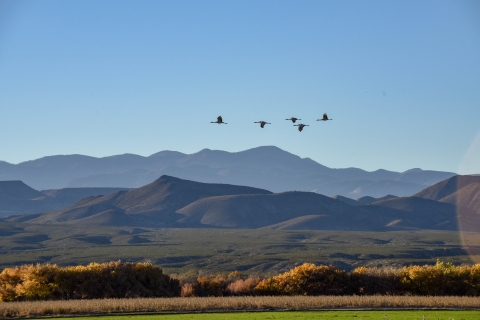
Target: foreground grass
{"type": "Point", "coordinates": [337, 315]}
{"type": "Point", "coordinates": [227, 304]}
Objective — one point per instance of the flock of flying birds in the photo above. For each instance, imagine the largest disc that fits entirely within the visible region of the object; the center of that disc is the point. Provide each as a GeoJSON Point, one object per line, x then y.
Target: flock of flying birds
{"type": "Point", "coordinates": [263, 123]}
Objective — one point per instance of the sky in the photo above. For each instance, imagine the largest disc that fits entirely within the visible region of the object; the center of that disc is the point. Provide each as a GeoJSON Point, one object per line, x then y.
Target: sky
{"type": "Point", "coordinates": [400, 79]}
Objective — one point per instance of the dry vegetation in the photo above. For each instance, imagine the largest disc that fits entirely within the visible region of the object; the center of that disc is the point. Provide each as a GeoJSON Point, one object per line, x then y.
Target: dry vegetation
{"type": "Point", "coordinates": [143, 280]}
{"type": "Point", "coordinates": [215, 304]}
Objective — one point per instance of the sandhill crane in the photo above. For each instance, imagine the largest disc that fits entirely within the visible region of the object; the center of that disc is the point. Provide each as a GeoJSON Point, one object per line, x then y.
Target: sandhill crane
{"type": "Point", "coordinates": [300, 126]}
{"type": "Point", "coordinates": [325, 118]}
{"type": "Point", "coordinates": [219, 120]}
{"type": "Point", "coordinates": [262, 123]}
{"type": "Point", "coordinates": [293, 119]}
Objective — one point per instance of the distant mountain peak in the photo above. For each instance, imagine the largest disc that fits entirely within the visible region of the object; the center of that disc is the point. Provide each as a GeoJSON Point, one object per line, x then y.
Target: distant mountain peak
{"type": "Point", "coordinates": [167, 153]}
{"type": "Point", "coordinates": [17, 189]}
{"type": "Point", "coordinates": [414, 170]}
{"type": "Point", "coordinates": [267, 167]}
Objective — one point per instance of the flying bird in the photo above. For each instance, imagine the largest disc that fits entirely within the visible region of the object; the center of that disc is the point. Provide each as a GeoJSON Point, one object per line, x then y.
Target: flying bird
{"type": "Point", "coordinates": [262, 123]}
{"type": "Point", "coordinates": [300, 126]}
{"type": "Point", "coordinates": [219, 120]}
{"type": "Point", "coordinates": [293, 119]}
{"type": "Point", "coordinates": [325, 118]}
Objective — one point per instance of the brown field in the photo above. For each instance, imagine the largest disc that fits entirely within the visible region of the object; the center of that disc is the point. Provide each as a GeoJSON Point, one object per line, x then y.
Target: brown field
{"type": "Point", "coordinates": [216, 304]}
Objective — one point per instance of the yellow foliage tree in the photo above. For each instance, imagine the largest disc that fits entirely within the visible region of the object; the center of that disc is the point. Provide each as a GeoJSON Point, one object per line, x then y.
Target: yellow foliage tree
{"type": "Point", "coordinates": [28, 282]}
{"type": "Point", "coordinates": [107, 280]}
{"type": "Point", "coordinates": [307, 279]}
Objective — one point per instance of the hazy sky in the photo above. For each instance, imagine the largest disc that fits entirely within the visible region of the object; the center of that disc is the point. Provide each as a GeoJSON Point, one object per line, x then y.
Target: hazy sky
{"type": "Point", "coordinates": [401, 79]}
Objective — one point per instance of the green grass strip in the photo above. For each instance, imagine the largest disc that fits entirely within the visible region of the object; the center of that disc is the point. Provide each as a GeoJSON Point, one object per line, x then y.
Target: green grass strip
{"type": "Point", "coordinates": [321, 315]}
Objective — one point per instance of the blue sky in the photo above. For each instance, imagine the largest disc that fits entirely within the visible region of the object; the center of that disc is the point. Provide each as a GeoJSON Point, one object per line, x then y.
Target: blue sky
{"type": "Point", "coordinates": [401, 79]}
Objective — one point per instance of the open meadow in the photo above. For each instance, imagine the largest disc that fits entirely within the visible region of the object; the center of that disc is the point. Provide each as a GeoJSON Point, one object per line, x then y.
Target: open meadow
{"type": "Point", "coordinates": [191, 252]}
{"type": "Point", "coordinates": [246, 304]}
{"type": "Point", "coordinates": [301, 315]}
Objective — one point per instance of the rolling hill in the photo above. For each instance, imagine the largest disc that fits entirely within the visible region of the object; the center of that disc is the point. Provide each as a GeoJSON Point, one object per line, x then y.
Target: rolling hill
{"type": "Point", "coordinates": [416, 213]}
{"type": "Point", "coordinates": [446, 187]}
{"type": "Point", "coordinates": [257, 211]}
{"type": "Point", "coordinates": [69, 196]}
{"type": "Point", "coordinates": [467, 197]}
{"type": "Point", "coordinates": [171, 202]}
{"type": "Point", "coordinates": [363, 200]}
{"type": "Point", "coordinates": [152, 205]}
{"type": "Point", "coordinates": [18, 198]}
{"type": "Point", "coordinates": [467, 202]}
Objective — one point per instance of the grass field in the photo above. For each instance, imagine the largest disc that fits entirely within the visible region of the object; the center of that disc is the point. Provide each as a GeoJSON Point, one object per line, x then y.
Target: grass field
{"type": "Point", "coordinates": [253, 252]}
{"type": "Point", "coordinates": [321, 315]}
{"type": "Point", "coordinates": [244, 304]}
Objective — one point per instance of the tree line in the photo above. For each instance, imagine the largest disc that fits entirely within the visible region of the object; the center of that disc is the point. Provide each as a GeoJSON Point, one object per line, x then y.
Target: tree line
{"type": "Point", "coordinates": [118, 279]}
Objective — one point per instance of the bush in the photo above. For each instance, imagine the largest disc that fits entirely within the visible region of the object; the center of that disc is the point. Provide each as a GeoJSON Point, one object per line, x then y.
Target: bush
{"type": "Point", "coordinates": [28, 282]}
{"type": "Point", "coordinates": [440, 279]}
{"type": "Point", "coordinates": [219, 285]}
{"type": "Point", "coordinates": [9, 279]}
{"type": "Point", "coordinates": [242, 287]}
{"type": "Point", "coordinates": [307, 279]}
{"type": "Point", "coordinates": [187, 290]}
{"type": "Point", "coordinates": [211, 286]}
{"type": "Point", "coordinates": [371, 281]}
{"type": "Point", "coordinates": [108, 280]}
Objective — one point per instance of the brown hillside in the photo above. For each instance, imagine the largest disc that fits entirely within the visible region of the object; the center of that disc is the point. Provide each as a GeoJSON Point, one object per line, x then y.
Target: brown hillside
{"type": "Point", "coordinates": [415, 212]}
{"type": "Point", "coordinates": [363, 200]}
{"type": "Point", "coordinates": [446, 187]}
{"type": "Point", "coordinates": [467, 197]}
{"type": "Point", "coordinates": [257, 211]}
{"type": "Point", "coordinates": [153, 204]}
{"type": "Point", "coordinates": [467, 201]}
{"type": "Point", "coordinates": [347, 200]}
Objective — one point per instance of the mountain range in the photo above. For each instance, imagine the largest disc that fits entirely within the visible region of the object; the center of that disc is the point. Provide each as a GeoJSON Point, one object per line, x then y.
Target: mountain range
{"type": "Point", "coordinates": [265, 167]}
{"type": "Point", "coordinates": [171, 202]}
{"type": "Point", "coordinates": [18, 198]}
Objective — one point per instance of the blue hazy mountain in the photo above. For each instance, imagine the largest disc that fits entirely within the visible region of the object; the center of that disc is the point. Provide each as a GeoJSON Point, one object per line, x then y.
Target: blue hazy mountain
{"type": "Point", "coordinates": [265, 167]}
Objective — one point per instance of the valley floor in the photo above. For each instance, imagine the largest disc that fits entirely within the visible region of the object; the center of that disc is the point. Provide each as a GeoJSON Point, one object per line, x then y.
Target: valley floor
{"type": "Point", "coordinates": [192, 252]}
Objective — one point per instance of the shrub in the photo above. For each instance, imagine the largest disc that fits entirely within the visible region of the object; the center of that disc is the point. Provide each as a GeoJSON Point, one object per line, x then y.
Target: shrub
{"type": "Point", "coordinates": [371, 281]}
{"type": "Point", "coordinates": [242, 287]}
{"type": "Point", "coordinates": [108, 280]}
{"type": "Point", "coordinates": [187, 290]}
{"type": "Point", "coordinates": [211, 286]}
{"type": "Point", "coordinates": [9, 279]}
{"type": "Point", "coordinates": [28, 282]}
{"type": "Point", "coordinates": [474, 281]}
{"type": "Point", "coordinates": [116, 280]}
{"type": "Point", "coordinates": [441, 279]}
{"type": "Point", "coordinates": [307, 279]}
